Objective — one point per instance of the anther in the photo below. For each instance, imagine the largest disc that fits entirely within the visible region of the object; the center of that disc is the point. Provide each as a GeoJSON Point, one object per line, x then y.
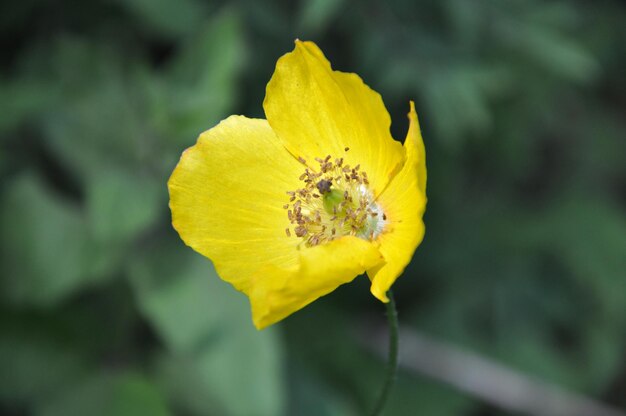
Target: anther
{"type": "Point", "coordinates": [333, 202]}
{"type": "Point", "coordinates": [324, 186]}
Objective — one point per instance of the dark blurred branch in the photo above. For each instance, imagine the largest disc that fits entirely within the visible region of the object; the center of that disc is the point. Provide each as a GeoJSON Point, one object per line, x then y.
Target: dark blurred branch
{"type": "Point", "coordinates": [484, 379]}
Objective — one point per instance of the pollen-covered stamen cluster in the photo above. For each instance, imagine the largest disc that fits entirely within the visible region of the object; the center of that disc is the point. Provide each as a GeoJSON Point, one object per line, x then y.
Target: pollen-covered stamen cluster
{"type": "Point", "coordinates": [334, 201]}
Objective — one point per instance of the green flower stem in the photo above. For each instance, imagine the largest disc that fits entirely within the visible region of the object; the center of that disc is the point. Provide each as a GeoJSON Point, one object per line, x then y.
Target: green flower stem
{"type": "Point", "coordinates": [392, 359]}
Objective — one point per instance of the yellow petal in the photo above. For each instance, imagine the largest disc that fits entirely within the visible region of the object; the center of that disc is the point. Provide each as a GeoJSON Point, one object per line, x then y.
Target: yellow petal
{"type": "Point", "coordinates": [317, 112]}
{"type": "Point", "coordinates": [226, 197]}
{"type": "Point", "coordinates": [403, 202]}
{"type": "Point", "coordinates": [278, 292]}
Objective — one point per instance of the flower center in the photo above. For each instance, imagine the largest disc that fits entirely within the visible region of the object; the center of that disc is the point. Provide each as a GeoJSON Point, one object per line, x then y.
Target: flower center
{"type": "Point", "coordinates": [335, 201]}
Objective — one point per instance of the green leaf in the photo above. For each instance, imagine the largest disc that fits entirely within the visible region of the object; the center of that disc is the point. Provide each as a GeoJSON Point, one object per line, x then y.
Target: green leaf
{"type": "Point", "coordinates": [201, 78]}
{"type": "Point", "coordinates": [126, 394]}
{"type": "Point", "coordinates": [431, 398]}
{"type": "Point", "coordinates": [26, 101]}
{"type": "Point", "coordinates": [100, 123]}
{"type": "Point", "coordinates": [176, 291]}
{"type": "Point", "coordinates": [44, 244]}
{"type": "Point", "coordinates": [557, 53]}
{"type": "Point", "coordinates": [316, 15]}
{"type": "Point", "coordinates": [170, 18]}
{"type": "Point", "coordinates": [98, 130]}
{"type": "Point", "coordinates": [589, 236]}
{"type": "Point", "coordinates": [306, 392]}
{"type": "Point", "coordinates": [207, 327]}
{"type": "Point", "coordinates": [121, 204]}
{"type": "Point", "coordinates": [36, 364]}
{"type": "Point", "coordinates": [243, 368]}
{"type": "Point", "coordinates": [458, 101]}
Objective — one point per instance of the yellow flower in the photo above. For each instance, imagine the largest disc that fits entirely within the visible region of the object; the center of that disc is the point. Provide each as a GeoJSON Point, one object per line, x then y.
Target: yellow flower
{"type": "Point", "coordinates": [291, 207]}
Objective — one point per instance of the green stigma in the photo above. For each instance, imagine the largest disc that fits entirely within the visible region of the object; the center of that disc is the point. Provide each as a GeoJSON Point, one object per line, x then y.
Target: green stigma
{"type": "Point", "coordinates": [332, 201]}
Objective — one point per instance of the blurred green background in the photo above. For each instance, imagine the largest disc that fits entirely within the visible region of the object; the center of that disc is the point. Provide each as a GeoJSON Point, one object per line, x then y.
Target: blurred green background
{"type": "Point", "coordinates": [104, 311]}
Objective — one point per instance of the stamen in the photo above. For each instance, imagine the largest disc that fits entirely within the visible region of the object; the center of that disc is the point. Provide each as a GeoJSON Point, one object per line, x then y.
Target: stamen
{"type": "Point", "coordinates": [333, 202]}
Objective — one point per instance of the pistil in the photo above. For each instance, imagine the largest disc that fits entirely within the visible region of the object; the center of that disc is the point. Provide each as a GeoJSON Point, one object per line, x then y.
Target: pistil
{"type": "Point", "coordinates": [335, 201]}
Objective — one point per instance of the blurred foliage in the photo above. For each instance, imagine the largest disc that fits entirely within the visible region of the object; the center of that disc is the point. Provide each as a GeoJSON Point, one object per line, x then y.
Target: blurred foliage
{"type": "Point", "coordinates": [105, 311]}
